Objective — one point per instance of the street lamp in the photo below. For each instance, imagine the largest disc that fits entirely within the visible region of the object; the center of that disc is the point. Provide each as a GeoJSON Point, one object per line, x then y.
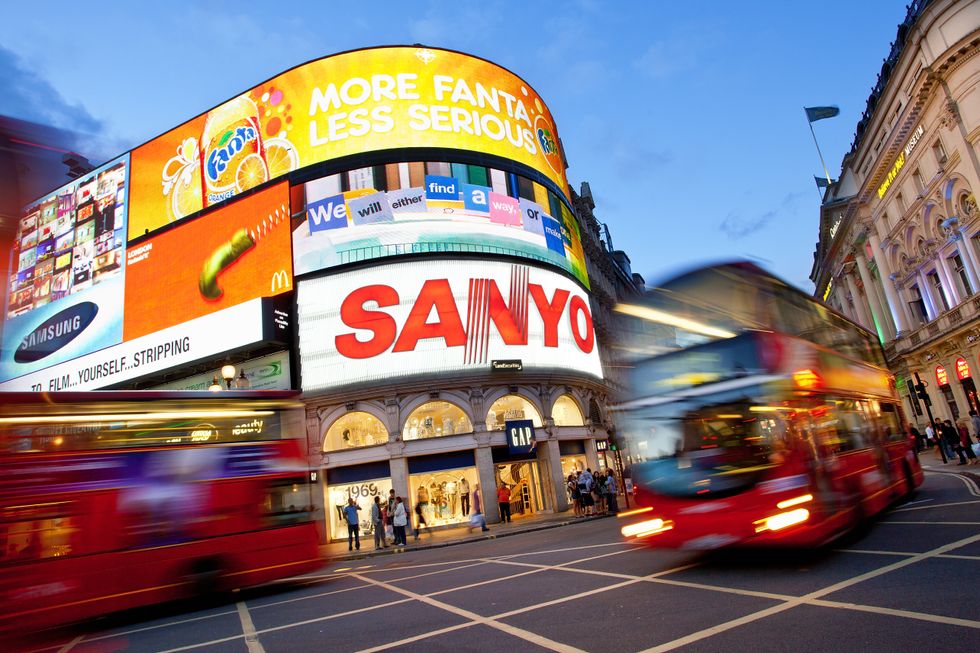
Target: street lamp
{"type": "Point", "coordinates": [228, 374]}
{"type": "Point", "coordinates": [215, 384]}
{"type": "Point", "coordinates": [242, 382]}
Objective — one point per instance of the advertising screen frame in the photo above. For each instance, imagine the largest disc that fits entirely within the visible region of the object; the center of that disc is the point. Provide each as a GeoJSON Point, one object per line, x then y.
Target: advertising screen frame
{"type": "Point", "coordinates": [185, 151]}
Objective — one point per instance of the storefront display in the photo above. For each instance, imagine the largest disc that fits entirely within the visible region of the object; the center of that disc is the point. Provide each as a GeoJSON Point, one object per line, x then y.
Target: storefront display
{"type": "Point", "coordinates": [444, 496]}
{"type": "Point", "coordinates": [356, 429]}
{"type": "Point", "coordinates": [573, 464]}
{"type": "Point", "coordinates": [435, 419]}
{"type": "Point", "coordinates": [511, 407]}
{"type": "Point", "coordinates": [363, 494]}
{"type": "Point", "coordinates": [523, 480]}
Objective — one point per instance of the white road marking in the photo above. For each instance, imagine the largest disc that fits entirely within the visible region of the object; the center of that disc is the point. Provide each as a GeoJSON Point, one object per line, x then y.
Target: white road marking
{"type": "Point", "coordinates": [934, 523]}
{"type": "Point", "coordinates": [970, 484]}
{"type": "Point", "coordinates": [907, 614]}
{"type": "Point", "coordinates": [164, 625]}
{"type": "Point", "coordinates": [485, 582]}
{"type": "Point", "coordinates": [912, 503]}
{"type": "Point", "coordinates": [938, 505]}
{"type": "Point", "coordinates": [70, 645]}
{"type": "Point", "coordinates": [526, 635]}
{"type": "Point", "coordinates": [807, 598]}
{"type": "Point", "coordinates": [294, 624]}
{"type": "Point", "coordinates": [417, 638]}
{"type": "Point", "coordinates": [312, 596]}
{"type": "Point", "coordinates": [248, 629]}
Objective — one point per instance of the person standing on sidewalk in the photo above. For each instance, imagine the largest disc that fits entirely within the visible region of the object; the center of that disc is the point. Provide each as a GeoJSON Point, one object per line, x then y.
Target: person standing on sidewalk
{"type": "Point", "coordinates": [966, 444]}
{"type": "Point", "coordinates": [476, 503]}
{"type": "Point", "coordinates": [503, 500]}
{"type": "Point", "coordinates": [399, 521]}
{"type": "Point", "coordinates": [952, 437]}
{"type": "Point", "coordinates": [612, 491]}
{"type": "Point", "coordinates": [353, 525]}
{"type": "Point", "coordinates": [378, 524]}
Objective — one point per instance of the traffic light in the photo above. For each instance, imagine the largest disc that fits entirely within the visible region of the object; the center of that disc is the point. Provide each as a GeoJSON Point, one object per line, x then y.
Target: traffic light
{"type": "Point", "coordinates": [920, 391]}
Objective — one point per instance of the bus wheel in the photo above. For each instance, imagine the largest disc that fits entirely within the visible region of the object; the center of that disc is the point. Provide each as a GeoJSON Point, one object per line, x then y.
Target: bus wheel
{"type": "Point", "coordinates": [909, 481]}
{"type": "Point", "coordinates": [206, 577]}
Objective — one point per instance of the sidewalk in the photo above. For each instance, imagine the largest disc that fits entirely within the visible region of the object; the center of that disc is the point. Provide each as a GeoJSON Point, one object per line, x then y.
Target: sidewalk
{"type": "Point", "coordinates": [931, 462]}
{"type": "Point", "coordinates": [451, 536]}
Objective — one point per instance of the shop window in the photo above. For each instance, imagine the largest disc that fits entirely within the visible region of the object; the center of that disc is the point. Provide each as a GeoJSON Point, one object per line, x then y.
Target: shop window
{"type": "Point", "coordinates": [356, 429]}
{"type": "Point", "coordinates": [435, 419]}
{"type": "Point", "coordinates": [511, 407]}
{"type": "Point", "coordinates": [566, 412]}
{"type": "Point", "coordinates": [959, 271]}
{"type": "Point", "coordinates": [444, 497]}
{"type": "Point", "coordinates": [363, 493]}
{"type": "Point", "coordinates": [940, 153]}
{"type": "Point", "coordinates": [938, 287]}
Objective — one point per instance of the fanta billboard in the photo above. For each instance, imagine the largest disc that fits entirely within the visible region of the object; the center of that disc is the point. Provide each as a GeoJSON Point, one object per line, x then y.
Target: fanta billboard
{"type": "Point", "coordinates": [361, 101]}
{"type": "Point", "coordinates": [220, 259]}
{"type": "Point", "coordinates": [415, 318]}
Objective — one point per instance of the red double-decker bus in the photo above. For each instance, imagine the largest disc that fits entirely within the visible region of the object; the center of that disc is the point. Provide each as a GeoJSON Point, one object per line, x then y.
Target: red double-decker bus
{"type": "Point", "coordinates": [113, 500]}
{"type": "Point", "coordinates": [755, 415]}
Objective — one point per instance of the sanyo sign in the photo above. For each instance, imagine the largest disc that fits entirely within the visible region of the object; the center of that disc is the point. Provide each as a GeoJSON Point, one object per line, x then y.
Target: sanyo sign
{"type": "Point", "coordinates": [408, 319]}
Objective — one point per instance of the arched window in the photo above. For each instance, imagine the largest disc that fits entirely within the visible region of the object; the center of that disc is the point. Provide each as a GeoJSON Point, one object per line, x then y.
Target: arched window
{"type": "Point", "coordinates": [566, 412]}
{"type": "Point", "coordinates": [357, 429]}
{"type": "Point", "coordinates": [511, 407]}
{"type": "Point", "coordinates": [434, 419]}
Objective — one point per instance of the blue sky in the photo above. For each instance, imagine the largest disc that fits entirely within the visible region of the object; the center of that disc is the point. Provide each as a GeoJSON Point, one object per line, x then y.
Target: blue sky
{"type": "Point", "coordinates": [686, 118]}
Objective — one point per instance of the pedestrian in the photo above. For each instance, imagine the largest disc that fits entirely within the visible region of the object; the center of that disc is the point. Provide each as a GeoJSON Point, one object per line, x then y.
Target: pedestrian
{"type": "Point", "coordinates": [353, 525]}
{"type": "Point", "coordinates": [399, 521]}
{"type": "Point", "coordinates": [930, 435]}
{"type": "Point", "coordinates": [916, 437]}
{"type": "Point", "coordinates": [611, 492]}
{"type": "Point", "coordinates": [378, 524]}
{"type": "Point", "coordinates": [503, 500]}
{"type": "Point", "coordinates": [571, 485]}
{"type": "Point", "coordinates": [952, 437]}
{"type": "Point", "coordinates": [585, 490]}
{"type": "Point", "coordinates": [420, 521]}
{"type": "Point", "coordinates": [966, 444]}
{"type": "Point", "coordinates": [477, 518]}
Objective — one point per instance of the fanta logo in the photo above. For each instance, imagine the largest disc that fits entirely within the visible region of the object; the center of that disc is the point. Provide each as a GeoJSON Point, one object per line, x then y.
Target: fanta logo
{"type": "Point", "coordinates": [548, 145]}
{"type": "Point", "coordinates": [231, 145]}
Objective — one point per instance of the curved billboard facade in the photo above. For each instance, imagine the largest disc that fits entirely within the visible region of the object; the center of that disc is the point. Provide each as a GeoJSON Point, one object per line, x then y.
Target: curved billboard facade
{"type": "Point", "coordinates": [351, 103]}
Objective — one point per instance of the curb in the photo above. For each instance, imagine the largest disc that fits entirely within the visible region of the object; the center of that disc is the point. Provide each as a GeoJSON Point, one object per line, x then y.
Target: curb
{"type": "Point", "coordinates": [480, 538]}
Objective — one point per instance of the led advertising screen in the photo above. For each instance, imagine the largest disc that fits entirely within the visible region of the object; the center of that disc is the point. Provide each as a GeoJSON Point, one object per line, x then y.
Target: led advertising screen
{"type": "Point", "coordinates": [220, 259]}
{"type": "Point", "coordinates": [350, 103]}
{"type": "Point", "coordinates": [65, 288]}
{"type": "Point", "coordinates": [400, 320]}
{"type": "Point", "coordinates": [432, 208]}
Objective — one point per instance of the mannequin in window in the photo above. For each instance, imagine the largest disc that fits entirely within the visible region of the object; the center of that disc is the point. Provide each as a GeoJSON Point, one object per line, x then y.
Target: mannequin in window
{"type": "Point", "coordinates": [464, 495]}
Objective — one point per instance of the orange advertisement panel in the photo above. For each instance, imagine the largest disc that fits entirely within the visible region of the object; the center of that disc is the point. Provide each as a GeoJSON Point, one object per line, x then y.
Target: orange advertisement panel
{"type": "Point", "coordinates": [218, 260]}
{"type": "Point", "coordinates": [361, 101]}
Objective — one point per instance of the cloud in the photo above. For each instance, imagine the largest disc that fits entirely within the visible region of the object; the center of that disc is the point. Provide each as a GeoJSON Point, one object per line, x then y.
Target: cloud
{"type": "Point", "coordinates": [736, 227]}
{"type": "Point", "coordinates": [30, 97]}
{"type": "Point", "coordinates": [677, 53]}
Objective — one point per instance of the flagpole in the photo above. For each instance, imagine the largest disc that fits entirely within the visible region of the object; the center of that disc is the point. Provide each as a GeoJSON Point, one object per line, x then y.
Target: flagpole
{"type": "Point", "coordinates": [819, 153]}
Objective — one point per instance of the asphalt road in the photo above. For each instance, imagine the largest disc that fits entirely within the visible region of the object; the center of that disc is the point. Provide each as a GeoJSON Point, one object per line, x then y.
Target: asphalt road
{"type": "Point", "coordinates": [910, 582]}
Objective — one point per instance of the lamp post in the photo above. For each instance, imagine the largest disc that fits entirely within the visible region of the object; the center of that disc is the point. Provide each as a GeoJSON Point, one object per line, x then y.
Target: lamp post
{"type": "Point", "coordinates": [228, 374]}
{"type": "Point", "coordinates": [215, 384]}
{"type": "Point", "coordinates": [242, 382]}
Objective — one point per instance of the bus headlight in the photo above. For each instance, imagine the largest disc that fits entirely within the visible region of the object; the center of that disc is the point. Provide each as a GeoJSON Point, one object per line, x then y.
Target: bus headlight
{"type": "Point", "coordinates": [782, 520]}
{"type": "Point", "coordinates": [648, 527]}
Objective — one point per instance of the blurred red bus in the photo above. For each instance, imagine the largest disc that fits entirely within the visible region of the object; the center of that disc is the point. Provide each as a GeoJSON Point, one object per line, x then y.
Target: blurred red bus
{"type": "Point", "coordinates": [755, 416]}
{"type": "Point", "coordinates": [113, 500]}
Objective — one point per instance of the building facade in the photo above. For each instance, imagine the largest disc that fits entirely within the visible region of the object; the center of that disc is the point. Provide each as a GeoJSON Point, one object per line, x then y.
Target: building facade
{"type": "Point", "coordinates": [899, 247]}
{"type": "Point", "coordinates": [389, 231]}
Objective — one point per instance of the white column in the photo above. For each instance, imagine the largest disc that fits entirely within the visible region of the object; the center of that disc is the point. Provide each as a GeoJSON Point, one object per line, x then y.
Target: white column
{"type": "Point", "coordinates": [877, 312]}
{"type": "Point", "coordinates": [891, 297]}
{"type": "Point", "coordinates": [966, 253]}
{"type": "Point", "coordinates": [488, 481]}
{"type": "Point", "coordinates": [952, 292]}
{"type": "Point", "coordinates": [862, 311]}
{"type": "Point", "coordinates": [549, 466]}
{"type": "Point", "coordinates": [925, 289]}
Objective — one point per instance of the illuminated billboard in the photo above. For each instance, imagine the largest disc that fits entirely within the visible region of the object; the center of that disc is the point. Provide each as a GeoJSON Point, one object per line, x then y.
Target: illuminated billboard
{"type": "Point", "coordinates": [433, 208]}
{"type": "Point", "coordinates": [65, 288]}
{"type": "Point", "coordinates": [351, 103]}
{"type": "Point", "coordinates": [419, 318]}
{"type": "Point", "coordinates": [220, 259]}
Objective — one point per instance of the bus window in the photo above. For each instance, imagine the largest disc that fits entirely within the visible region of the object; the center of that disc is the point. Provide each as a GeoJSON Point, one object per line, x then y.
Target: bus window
{"type": "Point", "coordinates": [286, 502]}
{"type": "Point", "coordinates": [36, 534]}
{"type": "Point", "coordinates": [891, 423]}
